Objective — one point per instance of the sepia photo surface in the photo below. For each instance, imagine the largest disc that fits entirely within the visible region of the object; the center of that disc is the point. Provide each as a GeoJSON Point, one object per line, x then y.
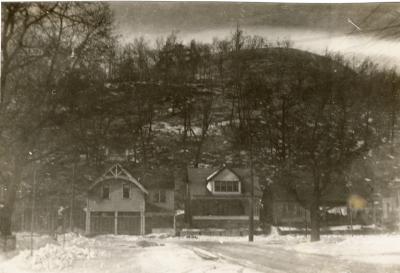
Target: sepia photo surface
{"type": "Point", "coordinates": [149, 137]}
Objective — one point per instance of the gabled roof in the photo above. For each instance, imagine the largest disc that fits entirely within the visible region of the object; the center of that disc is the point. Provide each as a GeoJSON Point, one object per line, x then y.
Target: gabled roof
{"type": "Point", "coordinates": [219, 170]}
{"type": "Point", "coordinates": [118, 172]}
{"type": "Point", "coordinates": [198, 178]}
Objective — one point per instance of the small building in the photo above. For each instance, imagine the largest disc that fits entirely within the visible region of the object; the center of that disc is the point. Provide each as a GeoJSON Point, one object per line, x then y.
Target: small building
{"type": "Point", "coordinates": [291, 207]}
{"type": "Point", "coordinates": [220, 197]}
{"type": "Point", "coordinates": [130, 202]}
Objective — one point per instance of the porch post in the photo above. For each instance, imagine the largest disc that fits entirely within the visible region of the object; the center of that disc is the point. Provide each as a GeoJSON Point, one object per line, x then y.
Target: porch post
{"type": "Point", "coordinates": [115, 222]}
{"type": "Point", "coordinates": [143, 224]}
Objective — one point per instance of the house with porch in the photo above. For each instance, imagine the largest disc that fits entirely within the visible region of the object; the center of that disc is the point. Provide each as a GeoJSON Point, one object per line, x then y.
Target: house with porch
{"type": "Point", "coordinates": [130, 201]}
{"type": "Point", "coordinates": [220, 197]}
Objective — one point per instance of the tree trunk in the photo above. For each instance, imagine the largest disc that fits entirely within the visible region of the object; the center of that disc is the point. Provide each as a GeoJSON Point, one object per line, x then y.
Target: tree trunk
{"type": "Point", "coordinates": [11, 195]}
{"type": "Point", "coordinates": [314, 209]}
{"type": "Point", "coordinates": [198, 151]}
{"type": "Point", "coordinates": [267, 211]}
{"type": "Point", "coordinates": [71, 211]}
{"type": "Point", "coordinates": [188, 209]}
{"type": "Point", "coordinates": [315, 221]}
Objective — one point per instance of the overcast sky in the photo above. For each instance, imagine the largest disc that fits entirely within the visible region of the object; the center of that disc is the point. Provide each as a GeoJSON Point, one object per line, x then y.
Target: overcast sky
{"type": "Point", "coordinates": [352, 29]}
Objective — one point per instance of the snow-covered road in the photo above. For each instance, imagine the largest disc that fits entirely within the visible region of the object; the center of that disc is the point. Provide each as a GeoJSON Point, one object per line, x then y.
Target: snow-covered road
{"type": "Point", "coordinates": [156, 254]}
{"type": "Point", "coordinates": [127, 257]}
{"type": "Point", "coordinates": [265, 257]}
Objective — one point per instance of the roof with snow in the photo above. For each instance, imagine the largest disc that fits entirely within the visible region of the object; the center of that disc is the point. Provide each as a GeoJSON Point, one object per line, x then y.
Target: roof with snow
{"type": "Point", "coordinates": [198, 178]}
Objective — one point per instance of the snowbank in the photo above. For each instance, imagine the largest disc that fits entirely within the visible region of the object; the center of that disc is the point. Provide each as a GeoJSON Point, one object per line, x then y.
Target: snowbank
{"type": "Point", "coordinates": [55, 255]}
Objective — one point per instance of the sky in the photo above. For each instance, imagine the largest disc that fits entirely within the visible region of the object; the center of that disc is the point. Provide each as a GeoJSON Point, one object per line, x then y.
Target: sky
{"type": "Point", "coordinates": [356, 30]}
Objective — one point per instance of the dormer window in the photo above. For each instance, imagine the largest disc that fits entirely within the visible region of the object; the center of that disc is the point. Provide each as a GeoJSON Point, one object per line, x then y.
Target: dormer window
{"type": "Point", "coordinates": [226, 186]}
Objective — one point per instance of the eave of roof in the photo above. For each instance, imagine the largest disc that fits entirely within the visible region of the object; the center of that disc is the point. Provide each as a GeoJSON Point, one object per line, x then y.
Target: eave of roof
{"type": "Point", "coordinates": [127, 177]}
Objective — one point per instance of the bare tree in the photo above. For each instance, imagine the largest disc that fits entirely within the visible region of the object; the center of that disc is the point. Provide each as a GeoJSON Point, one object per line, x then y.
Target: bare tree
{"type": "Point", "coordinates": [40, 43]}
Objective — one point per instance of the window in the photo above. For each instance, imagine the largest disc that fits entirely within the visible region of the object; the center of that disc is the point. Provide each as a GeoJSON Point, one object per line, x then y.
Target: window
{"type": "Point", "coordinates": [106, 191]}
{"type": "Point", "coordinates": [226, 186]}
{"type": "Point", "coordinates": [159, 196]}
{"type": "Point", "coordinates": [126, 191]}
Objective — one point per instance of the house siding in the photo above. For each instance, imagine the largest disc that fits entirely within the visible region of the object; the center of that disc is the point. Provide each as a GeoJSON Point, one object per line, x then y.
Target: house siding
{"type": "Point", "coordinates": [169, 199]}
{"type": "Point", "coordinates": [116, 202]}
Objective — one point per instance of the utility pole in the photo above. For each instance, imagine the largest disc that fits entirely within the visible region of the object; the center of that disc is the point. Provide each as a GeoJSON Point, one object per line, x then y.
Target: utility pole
{"type": "Point", "coordinates": [251, 217]}
{"type": "Point", "coordinates": [351, 220]}
{"type": "Point", "coordinates": [71, 210]}
{"type": "Point", "coordinates": [350, 205]}
{"type": "Point", "coordinates": [33, 207]}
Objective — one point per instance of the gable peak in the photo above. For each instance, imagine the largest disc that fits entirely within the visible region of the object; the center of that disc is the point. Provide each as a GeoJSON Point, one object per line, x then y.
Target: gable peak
{"type": "Point", "coordinates": [117, 171]}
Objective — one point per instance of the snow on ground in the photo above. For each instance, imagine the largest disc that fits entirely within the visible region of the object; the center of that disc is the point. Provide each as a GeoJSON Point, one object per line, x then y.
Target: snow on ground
{"type": "Point", "coordinates": [381, 249]}
{"type": "Point", "coordinates": [165, 127]}
{"type": "Point", "coordinates": [50, 254]}
{"type": "Point", "coordinates": [374, 248]}
{"type": "Point", "coordinates": [174, 259]}
{"type": "Point", "coordinates": [163, 253]}
{"type": "Point", "coordinates": [109, 253]}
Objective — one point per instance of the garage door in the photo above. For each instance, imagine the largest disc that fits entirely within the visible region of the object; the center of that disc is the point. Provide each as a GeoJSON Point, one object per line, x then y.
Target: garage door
{"type": "Point", "coordinates": [102, 222]}
{"type": "Point", "coordinates": [129, 223]}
